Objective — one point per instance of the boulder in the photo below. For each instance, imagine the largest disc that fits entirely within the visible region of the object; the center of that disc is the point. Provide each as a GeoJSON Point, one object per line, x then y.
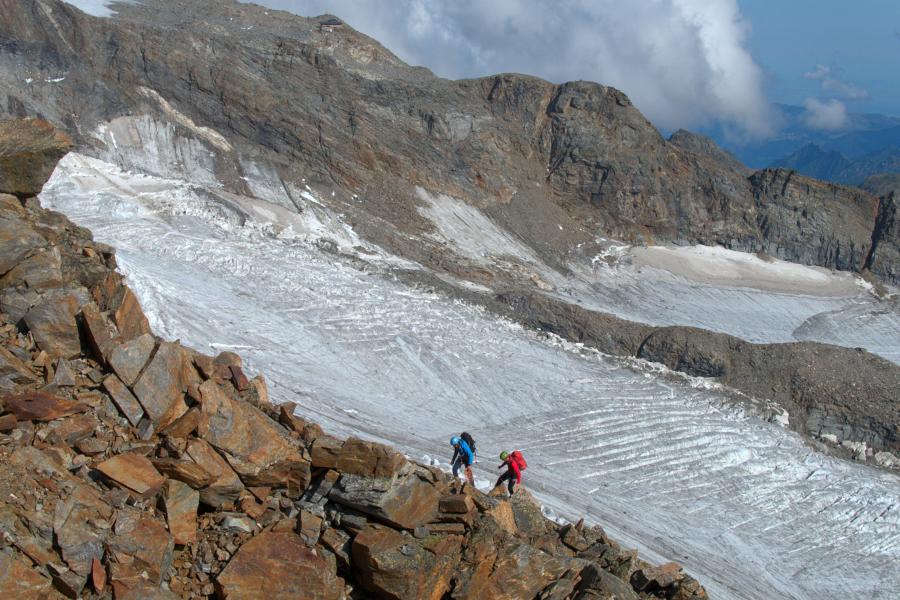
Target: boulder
{"type": "Point", "coordinates": [133, 472]}
{"type": "Point", "coordinates": [125, 311]}
{"type": "Point", "coordinates": [394, 565]}
{"type": "Point", "coordinates": [40, 406]}
{"type": "Point", "coordinates": [325, 451]}
{"type": "Point", "coordinates": [128, 358]}
{"type": "Point", "coordinates": [98, 331]}
{"type": "Point", "coordinates": [52, 323]}
{"type": "Point", "coordinates": [160, 389]}
{"type": "Point", "coordinates": [302, 572]}
{"type": "Point", "coordinates": [124, 399]}
{"type": "Point", "coordinates": [40, 269]}
{"type": "Point", "coordinates": [185, 471]}
{"type": "Point", "coordinates": [255, 446]}
{"type": "Point", "coordinates": [456, 504]}
{"type": "Point", "coordinates": [606, 585]}
{"type": "Point", "coordinates": [80, 527]}
{"type": "Point", "coordinates": [29, 151]}
{"type": "Point", "coordinates": [70, 430]}
{"type": "Point", "coordinates": [408, 499]}
{"type": "Point", "coordinates": [184, 425]}
{"type": "Point", "coordinates": [181, 502]}
{"type": "Point", "coordinates": [141, 554]}
{"type": "Point", "coordinates": [17, 239]}
{"type": "Point", "coordinates": [358, 457]}
{"type": "Point", "coordinates": [226, 486]}
{"type": "Point", "coordinates": [18, 580]}
{"type": "Point", "coordinates": [63, 375]}
{"type": "Point", "coordinates": [13, 368]}
{"type": "Point", "coordinates": [653, 579]}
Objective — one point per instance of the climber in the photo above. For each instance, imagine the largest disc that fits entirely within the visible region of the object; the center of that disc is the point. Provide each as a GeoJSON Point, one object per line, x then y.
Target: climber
{"type": "Point", "coordinates": [462, 456]}
{"type": "Point", "coordinates": [515, 464]}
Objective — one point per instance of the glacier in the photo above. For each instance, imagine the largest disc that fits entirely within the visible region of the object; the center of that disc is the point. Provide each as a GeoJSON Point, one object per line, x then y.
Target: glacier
{"type": "Point", "coordinates": [677, 467]}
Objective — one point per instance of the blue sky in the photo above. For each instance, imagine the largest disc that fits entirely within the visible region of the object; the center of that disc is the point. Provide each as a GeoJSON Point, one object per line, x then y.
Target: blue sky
{"type": "Point", "coordinates": [858, 40]}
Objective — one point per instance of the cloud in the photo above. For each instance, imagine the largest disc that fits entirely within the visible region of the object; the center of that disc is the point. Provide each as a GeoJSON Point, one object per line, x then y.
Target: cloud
{"type": "Point", "coordinates": [829, 83]}
{"type": "Point", "coordinates": [827, 115]}
{"type": "Point", "coordinates": [684, 63]}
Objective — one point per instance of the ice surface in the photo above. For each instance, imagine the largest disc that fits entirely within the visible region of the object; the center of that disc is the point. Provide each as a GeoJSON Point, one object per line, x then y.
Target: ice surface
{"type": "Point", "coordinates": [665, 463]}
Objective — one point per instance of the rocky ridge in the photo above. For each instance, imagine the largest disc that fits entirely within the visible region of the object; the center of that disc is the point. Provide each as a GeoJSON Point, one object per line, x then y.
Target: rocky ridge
{"type": "Point", "coordinates": [249, 90]}
{"type": "Point", "coordinates": [134, 467]}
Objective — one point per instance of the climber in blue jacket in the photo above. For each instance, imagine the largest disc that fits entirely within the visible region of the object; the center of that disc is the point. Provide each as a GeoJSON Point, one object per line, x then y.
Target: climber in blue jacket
{"type": "Point", "coordinates": [462, 456]}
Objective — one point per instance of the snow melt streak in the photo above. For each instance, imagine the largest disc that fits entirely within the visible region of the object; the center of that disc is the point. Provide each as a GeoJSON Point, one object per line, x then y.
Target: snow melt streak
{"type": "Point", "coordinates": [744, 505]}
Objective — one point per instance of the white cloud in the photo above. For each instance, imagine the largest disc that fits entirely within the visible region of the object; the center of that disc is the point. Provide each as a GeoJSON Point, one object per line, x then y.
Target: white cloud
{"type": "Point", "coordinates": [826, 76]}
{"type": "Point", "coordinates": [682, 62]}
{"type": "Point", "coordinates": [827, 115]}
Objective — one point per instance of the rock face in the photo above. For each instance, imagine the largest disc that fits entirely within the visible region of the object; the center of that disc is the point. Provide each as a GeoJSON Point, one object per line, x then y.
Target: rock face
{"type": "Point", "coordinates": [531, 154]}
{"type": "Point", "coordinates": [29, 151]}
{"type": "Point", "coordinates": [101, 483]}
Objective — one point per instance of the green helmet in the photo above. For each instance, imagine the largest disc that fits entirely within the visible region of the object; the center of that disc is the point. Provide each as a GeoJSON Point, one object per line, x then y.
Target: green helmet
{"type": "Point", "coordinates": [504, 455]}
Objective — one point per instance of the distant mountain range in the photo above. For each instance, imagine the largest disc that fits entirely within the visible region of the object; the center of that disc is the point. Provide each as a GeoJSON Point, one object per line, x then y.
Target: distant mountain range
{"type": "Point", "coordinates": [868, 145]}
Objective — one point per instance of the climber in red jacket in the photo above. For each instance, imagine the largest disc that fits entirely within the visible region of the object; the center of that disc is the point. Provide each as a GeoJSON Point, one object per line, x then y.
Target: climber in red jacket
{"type": "Point", "coordinates": [513, 474]}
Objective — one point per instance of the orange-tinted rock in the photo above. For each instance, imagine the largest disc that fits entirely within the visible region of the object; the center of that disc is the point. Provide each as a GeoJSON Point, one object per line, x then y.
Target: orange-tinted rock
{"type": "Point", "coordinates": [325, 452]}
{"type": "Point", "coordinates": [186, 471]}
{"type": "Point", "coordinates": [126, 313]}
{"type": "Point", "coordinates": [134, 472]}
{"type": "Point", "coordinates": [226, 485]}
{"type": "Point", "coordinates": [407, 500]}
{"type": "Point", "coordinates": [98, 331]}
{"type": "Point", "coordinates": [277, 564]}
{"type": "Point", "coordinates": [78, 528]}
{"type": "Point", "coordinates": [40, 406]}
{"type": "Point", "coordinates": [52, 323]}
{"type": "Point", "coordinates": [140, 555]}
{"type": "Point", "coordinates": [29, 151]}
{"type": "Point", "coordinates": [503, 516]}
{"type": "Point", "coordinates": [456, 504]}
{"type": "Point", "coordinates": [184, 425]}
{"type": "Point", "coordinates": [41, 269]}
{"type": "Point", "coordinates": [98, 576]}
{"type": "Point", "coordinates": [227, 359]}
{"type": "Point", "coordinates": [238, 378]}
{"type": "Point", "coordinates": [391, 564]}
{"type": "Point", "coordinates": [7, 423]}
{"type": "Point", "coordinates": [17, 239]}
{"type": "Point", "coordinates": [652, 579]}
{"type": "Point", "coordinates": [128, 358]}
{"type": "Point", "coordinates": [257, 448]}
{"type": "Point", "coordinates": [160, 389]}
{"type": "Point", "coordinates": [71, 430]}
{"type": "Point", "coordinates": [358, 457]}
{"type": "Point", "coordinates": [259, 391]}
{"type": "Point", "coordinates": [181, 503]}
{"type": "Point", "coordinates": [124, 399]}
{"type": "Point", "coordinates": [15, 369]}
{"type": "Point", "coordinates": [18, 580]}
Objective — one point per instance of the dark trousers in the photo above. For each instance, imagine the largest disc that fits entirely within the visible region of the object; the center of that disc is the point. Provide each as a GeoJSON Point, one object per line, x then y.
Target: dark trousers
{"type": "Point", "coordinates": [510, 478]}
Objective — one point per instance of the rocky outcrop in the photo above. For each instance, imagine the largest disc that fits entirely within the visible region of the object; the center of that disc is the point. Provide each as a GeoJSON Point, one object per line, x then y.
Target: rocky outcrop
{"type": "Point", "coordinates": [556, 164]}
{"type": "Point", "coordinates": [845, 395]}
{"type": "Point", "coordinates": [173, 477]}
{"type": "Point", "coordinates": [884, 254]}
{"type": "Point", "coordinates": [29, 151]}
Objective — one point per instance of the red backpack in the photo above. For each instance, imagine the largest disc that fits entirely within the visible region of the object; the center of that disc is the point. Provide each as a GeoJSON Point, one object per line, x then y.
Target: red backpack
{"type": "Point", "coordinates": [520, 460]}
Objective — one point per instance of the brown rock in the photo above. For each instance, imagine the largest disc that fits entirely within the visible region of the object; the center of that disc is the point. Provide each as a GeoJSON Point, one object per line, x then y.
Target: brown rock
{"type": "Point", "coordinates": [29, 151]}
{"type": "Point", "coordinates": [456, 504]}
{"type": "Point", "coordinates": [502, 515]}
{"type": "Point", "coordinates": [255, 446]}
{"type": "Point", "coordinates": [15, 369]}
{"type": "Point", "coordinates": [226, 485]}
{"type": "Point", "coordinates": [184, 425]}
{"type": "Point", "coordinates": [71, 430]}
{"type": "Point", "coordinates": [40, 406]}
{"type": "Point", "coordinates": [98, 576]}
{"type": "Point", "coordinates": [126, 313]}
{"type": "Point", "coordinates": [64, 376]}
{"type": "Point", "coordinates": [652, 579]}
{"type": "Point", "coordinates": [52, 323]}
{"type": "Point", "coordinates": [129, 358]}
{"type": "Point", "coordinates": [358, 457]}
{"type": "Point", "coordinates": [227, 359]}
{"type": "Point", "coordinates": [251, 507]}
{"type": "Point", "coordinates": [78, 527]}
{"type": "Point", "coordinates": [238, 378]}
{"type": "Point", "coordinates": [160, 389]}
{"type": "Point", "coordinates": [185, 471]}
{"type": "Point", "coordinates": [41, 269]}
{"type": "Point", "coordinates": [17, 239]}
{"type": "Point", "coordinates": [302, 572]}
{"type": "Point", "coordinates": [393, 565]}
{"type": "Point", "coordinates": [92, 446]}
{"type": "Point", "coordinates": [141, 555]}
{"type": "Point", "coordinates": [7, 423]}
{"type": "Point", "coordinates": [325, 452]}
{"type": "Point", "coordinates": [339, 543]}
{"type": "Point", "coordinates": [18, 580]}
{"type": "Point", "coordinates": [144, 592]}
{"type": "Point", "coordinates": [261, 493]}
{"type": "Point", "coordinates": [9, 203]}
{"type": "Point", "coordinates": [310, 527]}
{"type": "Point", "coordinates": [204, 365]}
{"type": "Point", "coordinates": [181, 503]}
{"type": "Point", "coordinates": [98, 331]}
{"type": "Point", "coordinates": [407, 500]}
{"type": "Point", "coordinates": [124, 399]}
{"type": "Point", "coordinates": [133, 472]}
{"type": "Point", "coordinates": [259, 391]}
